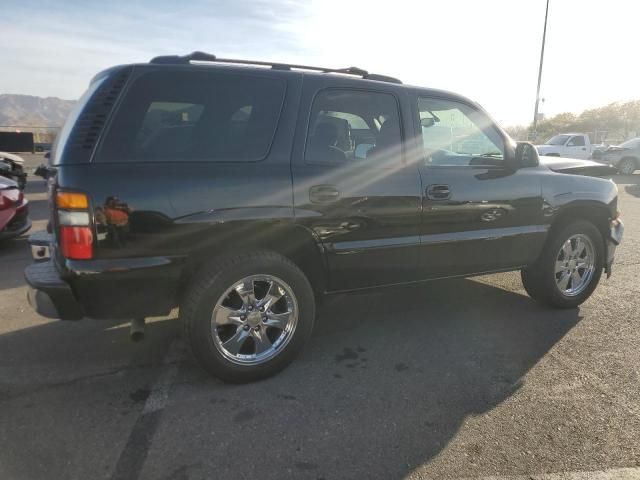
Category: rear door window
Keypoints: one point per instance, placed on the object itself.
(354, 126)
(195, 116)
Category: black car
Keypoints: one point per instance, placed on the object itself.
(242, 192)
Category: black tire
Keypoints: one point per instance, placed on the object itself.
(539, 279)
(212, 281)
(627, 166)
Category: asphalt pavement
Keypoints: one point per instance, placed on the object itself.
(463, 378)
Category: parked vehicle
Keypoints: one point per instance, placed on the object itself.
(42, 146)
(570, 145)
(231, 191)
(624, 157)
(14, 210)
(12, 167)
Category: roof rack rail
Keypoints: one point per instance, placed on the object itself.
(208, 57)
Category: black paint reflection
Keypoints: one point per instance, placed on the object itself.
(112, 220)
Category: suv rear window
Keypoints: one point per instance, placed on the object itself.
(194, 116)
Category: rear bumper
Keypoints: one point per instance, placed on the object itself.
(101, 288)
(49, 295)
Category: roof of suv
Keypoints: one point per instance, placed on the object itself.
(199, 59)
(210, 58)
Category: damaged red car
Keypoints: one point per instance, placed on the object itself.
(14, 210)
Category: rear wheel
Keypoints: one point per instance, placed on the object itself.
(246, 316)
(627, 166)
(569, 268)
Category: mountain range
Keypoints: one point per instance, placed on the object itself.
(31, 111)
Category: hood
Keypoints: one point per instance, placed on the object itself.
(575, 166)
(12, 157)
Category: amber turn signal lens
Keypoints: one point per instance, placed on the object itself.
(72, 200)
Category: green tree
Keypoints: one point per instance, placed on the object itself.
(613, 123)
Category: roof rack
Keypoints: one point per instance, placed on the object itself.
(207, 57)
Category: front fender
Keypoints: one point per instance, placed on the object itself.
(568, 197)
(561, 191)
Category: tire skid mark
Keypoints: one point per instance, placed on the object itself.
(132, 458)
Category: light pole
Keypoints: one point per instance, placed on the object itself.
(544, 36)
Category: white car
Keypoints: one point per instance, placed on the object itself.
(569, 145)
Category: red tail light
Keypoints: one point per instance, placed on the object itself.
(76, 242)
(76, 236)
(10, 197)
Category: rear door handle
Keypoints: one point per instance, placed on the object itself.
(323, 194)
(438, 192)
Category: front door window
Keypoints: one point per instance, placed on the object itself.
(454, 134)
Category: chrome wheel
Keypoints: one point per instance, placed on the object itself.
(575, 265)
(254, 319)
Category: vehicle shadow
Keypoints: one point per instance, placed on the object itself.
(384, 385)
(86, 381)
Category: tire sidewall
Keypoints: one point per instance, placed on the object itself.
(631, 163)
(547, 270)
(217, 283)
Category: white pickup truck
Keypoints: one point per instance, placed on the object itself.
(570, 145)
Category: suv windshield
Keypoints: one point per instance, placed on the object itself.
(557, 140)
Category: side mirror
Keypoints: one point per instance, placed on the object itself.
(427, 122)
(526, 155)
(361, 150)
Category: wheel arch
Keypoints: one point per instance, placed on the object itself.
(293, 241)
(597, 213)
(635, 159)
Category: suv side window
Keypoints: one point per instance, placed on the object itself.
(455, 134)
(195, 116)
(350, 126)
(577, 141)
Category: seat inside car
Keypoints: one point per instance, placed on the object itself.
(387, 140)
(322, 147)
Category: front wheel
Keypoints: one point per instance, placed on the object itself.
(569, 268)
(627, 166)
(246, 316)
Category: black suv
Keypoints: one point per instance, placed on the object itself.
(242, 191)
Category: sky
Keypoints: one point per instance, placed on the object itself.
(487, 50)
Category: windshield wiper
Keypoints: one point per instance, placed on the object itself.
(491, 154)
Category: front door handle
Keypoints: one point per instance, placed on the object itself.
(323, 194)
(438, 192)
